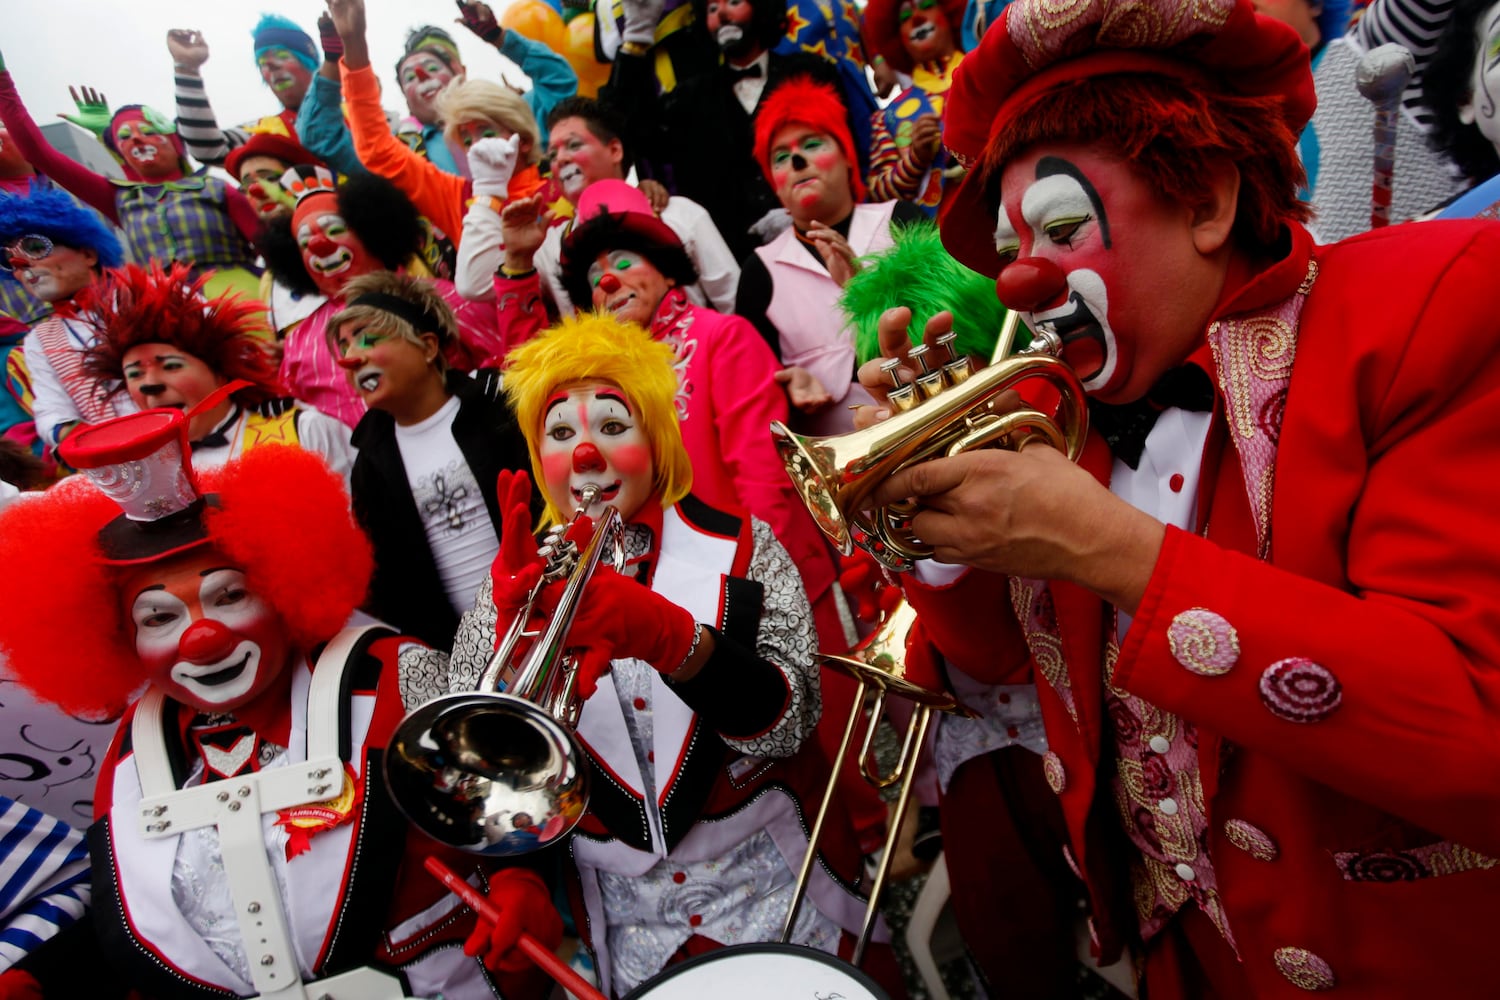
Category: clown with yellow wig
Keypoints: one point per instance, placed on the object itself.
(700, 683)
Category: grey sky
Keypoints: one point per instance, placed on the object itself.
(119, 46)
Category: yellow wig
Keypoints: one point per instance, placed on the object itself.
(592, 347)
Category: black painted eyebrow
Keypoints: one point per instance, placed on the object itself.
(215, 569)
(1050, 166)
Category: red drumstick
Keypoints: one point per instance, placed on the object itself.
(534, 949)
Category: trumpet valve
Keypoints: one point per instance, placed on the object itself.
(957, 368)
(903, 395)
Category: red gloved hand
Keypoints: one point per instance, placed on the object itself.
(329, 39)
(525, 907)
(864, 583)
(619, 618)
(517, 567)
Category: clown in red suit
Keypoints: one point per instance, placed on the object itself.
(244, 842)
(1260, 613)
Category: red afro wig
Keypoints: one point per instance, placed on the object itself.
(883, 30)
(134, 306)
(803, 101)
(283, 517)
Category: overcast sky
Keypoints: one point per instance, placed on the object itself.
(119, 46)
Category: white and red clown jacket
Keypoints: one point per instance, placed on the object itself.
(697, 783)
(349, 870)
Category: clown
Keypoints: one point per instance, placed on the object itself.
(53, 250)
(163, 345)
(588, 144)
(906, 156)
(209, 614)
(1132, 188)
(430, 448)
(698, 654)
(789, 288)
(472, 111)
(286, 58)
(334, 234)
(168, 213)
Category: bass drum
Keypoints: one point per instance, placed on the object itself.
(760, 972)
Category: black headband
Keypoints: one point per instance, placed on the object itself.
(422, 320)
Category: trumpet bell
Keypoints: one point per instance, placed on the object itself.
(491, 774)
(880, 662)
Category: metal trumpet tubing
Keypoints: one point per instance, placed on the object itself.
(502, 774)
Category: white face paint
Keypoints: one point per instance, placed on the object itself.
(590, 437)
(1480, 109)
(223, 673)
(1059, 213)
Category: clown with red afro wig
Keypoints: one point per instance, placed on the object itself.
(280, 515)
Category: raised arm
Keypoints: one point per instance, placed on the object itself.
(196, 121)
(93, 189)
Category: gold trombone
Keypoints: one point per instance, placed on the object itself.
(502, 774)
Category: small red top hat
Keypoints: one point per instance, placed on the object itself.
(141, 461)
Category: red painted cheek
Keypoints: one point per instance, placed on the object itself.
(556, 467)
(825, 162)
(631, 459)
(781, 177)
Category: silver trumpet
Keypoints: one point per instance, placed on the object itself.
(502, 774)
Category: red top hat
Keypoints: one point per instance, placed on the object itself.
(1040, 46)
(279, 147)
(141, 462)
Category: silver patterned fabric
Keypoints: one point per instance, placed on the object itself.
(741, 897)
(423, 673)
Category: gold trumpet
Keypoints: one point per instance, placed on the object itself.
(503, 774)
(878, 662)
(946, 410)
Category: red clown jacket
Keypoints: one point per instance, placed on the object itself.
(1332, 630)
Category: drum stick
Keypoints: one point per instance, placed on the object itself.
(1381, 76)
(534, 949)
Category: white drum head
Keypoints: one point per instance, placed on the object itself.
(761, 972)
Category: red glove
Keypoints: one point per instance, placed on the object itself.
(517, 567)
(525, 906)
(864, 583)
(619, 618)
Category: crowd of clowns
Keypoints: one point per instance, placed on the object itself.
(282, 438)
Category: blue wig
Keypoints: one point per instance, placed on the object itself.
(276, 32)
(52, 212)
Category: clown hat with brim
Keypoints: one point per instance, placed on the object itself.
(614, 203)
(141, 462)
(1037, 48)
(279, 147)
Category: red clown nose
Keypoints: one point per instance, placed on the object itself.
(609, 284)
(586, 458)
(206, 641)
(1032, 284)
(322, 246)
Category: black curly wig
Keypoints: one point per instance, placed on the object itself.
(605, 234)
(1448, 82)
(383, 219)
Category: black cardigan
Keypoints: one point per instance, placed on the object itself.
(406, 590)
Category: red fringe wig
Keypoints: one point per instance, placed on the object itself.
(883, 30)
(800, 100)
(283, 518)
(134, 306)
(1173, 134)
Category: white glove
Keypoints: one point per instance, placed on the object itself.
(641, 17)
(771, 225)
(491, 162)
